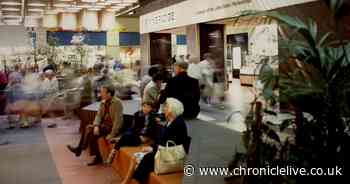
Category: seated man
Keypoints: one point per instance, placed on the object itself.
(144, 130)
(108, 122)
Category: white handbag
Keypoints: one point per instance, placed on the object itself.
(169, 159)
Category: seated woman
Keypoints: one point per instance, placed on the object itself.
(152, 90)
(144, 130)
(174, 130)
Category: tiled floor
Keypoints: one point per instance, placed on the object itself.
(73, 170)
(214, 142)
(215, 137)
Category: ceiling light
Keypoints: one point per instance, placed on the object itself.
(10, 9)
(117, 7)
(129, 1)
(69, 11)
(35, 10)
(103, 3)
(85, 6)
(119, 1)
(128, 10)
(11, 16)
(89, 1)
(61, 5)
(111, 10)
(73, 8)
(36, 4)
(10, 3)
(94, 9)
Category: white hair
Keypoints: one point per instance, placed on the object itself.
(50, 72)
(176, 107)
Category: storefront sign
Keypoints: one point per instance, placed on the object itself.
(73, 38)
(199, 11)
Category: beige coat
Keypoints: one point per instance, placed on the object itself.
(116, 112)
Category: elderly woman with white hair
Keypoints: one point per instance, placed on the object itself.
(174, 130)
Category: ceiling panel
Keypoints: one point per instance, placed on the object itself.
(29, 7)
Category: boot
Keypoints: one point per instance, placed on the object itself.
(77, 151)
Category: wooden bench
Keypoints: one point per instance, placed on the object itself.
(125, 163)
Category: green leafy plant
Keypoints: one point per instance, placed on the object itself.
(314, 79)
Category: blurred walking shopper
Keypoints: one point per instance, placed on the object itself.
(207, 71)
(183, 88)
(3, 84)
(194, 70)
(14, 94)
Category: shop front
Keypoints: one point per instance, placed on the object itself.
(238, 41)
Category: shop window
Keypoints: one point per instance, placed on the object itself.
(181, 40)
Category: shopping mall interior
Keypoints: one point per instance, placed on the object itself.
(174, 91)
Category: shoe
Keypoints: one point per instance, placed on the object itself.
(96, 161)
(52, 125)
(11, 127)
(110, 157)
(25, 125)
(76, 151)
(24, 122)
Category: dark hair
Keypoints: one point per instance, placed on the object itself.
(110, 89)
(153, 71)
(157, 77)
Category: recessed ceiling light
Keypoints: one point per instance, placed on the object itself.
(85, 6)
(94, 9)
(36, 4)
(73, 8)
(35, 10)
(103, 3)
(10, 3)
(11, 16)
(10, 9)
(61, 5)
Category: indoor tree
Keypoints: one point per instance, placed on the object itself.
(313, 79)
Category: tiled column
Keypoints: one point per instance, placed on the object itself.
(145, 50)
(193, 43)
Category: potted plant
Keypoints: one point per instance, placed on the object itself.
(313, 80)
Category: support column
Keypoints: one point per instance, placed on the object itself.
(145, 52)
(193, 42)
(145, 49)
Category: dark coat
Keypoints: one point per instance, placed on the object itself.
(186, 90)
(152, 131)
(177, 132)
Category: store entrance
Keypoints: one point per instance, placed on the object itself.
(237, 49)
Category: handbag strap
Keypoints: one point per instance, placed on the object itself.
(170, 141)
